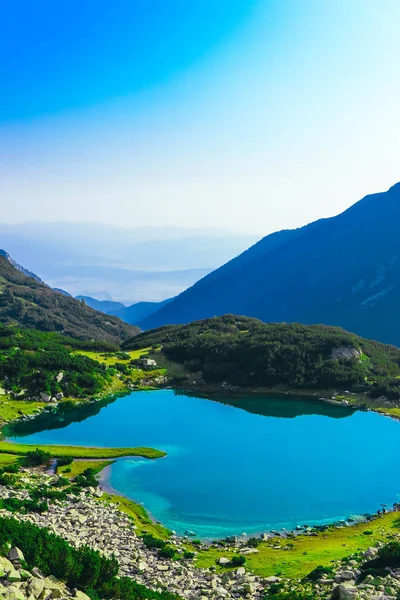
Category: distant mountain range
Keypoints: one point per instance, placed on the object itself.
(28, 302)
(130, 314)
(104, 306)
(125, 265)
(342, 271)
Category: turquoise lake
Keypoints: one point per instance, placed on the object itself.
(277, 464)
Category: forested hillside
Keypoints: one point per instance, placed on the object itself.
(342, 271)
(247, 352)
(33, 362)
(32, 304)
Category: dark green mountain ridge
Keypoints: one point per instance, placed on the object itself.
(342, 271)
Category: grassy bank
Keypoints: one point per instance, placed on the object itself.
(142, 520)
(299, 556)
(79, 466)
(80, 451)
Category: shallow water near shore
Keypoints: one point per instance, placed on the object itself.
(228, 470)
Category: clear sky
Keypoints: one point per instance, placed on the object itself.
(253, 115)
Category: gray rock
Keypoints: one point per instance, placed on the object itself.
(36, 586)
(16, 554)
(14, 593)
(345, 592)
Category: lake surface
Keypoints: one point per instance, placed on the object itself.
(228, 471)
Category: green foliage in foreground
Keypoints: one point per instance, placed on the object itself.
(248, 352)
(80, 567)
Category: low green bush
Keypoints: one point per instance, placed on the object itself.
(86, 479)
(7, 479)
(150, 541)
(10, 469)
(37, 457)
(253, 542)
(318, 572)
(63, 461)
(237, 561)
(15, 505)
(167, 552)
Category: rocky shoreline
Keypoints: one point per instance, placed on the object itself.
(87, 520)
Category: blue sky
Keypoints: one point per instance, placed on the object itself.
(253, 115)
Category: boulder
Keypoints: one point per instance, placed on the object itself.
(272, 579)
(81, 596)
(345, 592)
(16, 554)
(25, 575)
(5, 565)
(370, 553)
(14, 576)
(13, 593)
(36, 587)
(45, 397)
(223, 561)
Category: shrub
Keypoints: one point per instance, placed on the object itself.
(237, 561)
(63, 461)
(253, 542)
(23, 506)
(6, 479)
(188, 555)
(318, 572)
(152, 542)
(167, 552)
(10, 469)
(86, 479)
(61, 482)
(37, 457)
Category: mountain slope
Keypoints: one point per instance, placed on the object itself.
(19, 268)
(341, 271)
(247, 352)
(29, 303)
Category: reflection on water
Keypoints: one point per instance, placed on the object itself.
(282, 408)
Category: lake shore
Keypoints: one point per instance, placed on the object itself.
(105, 485)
